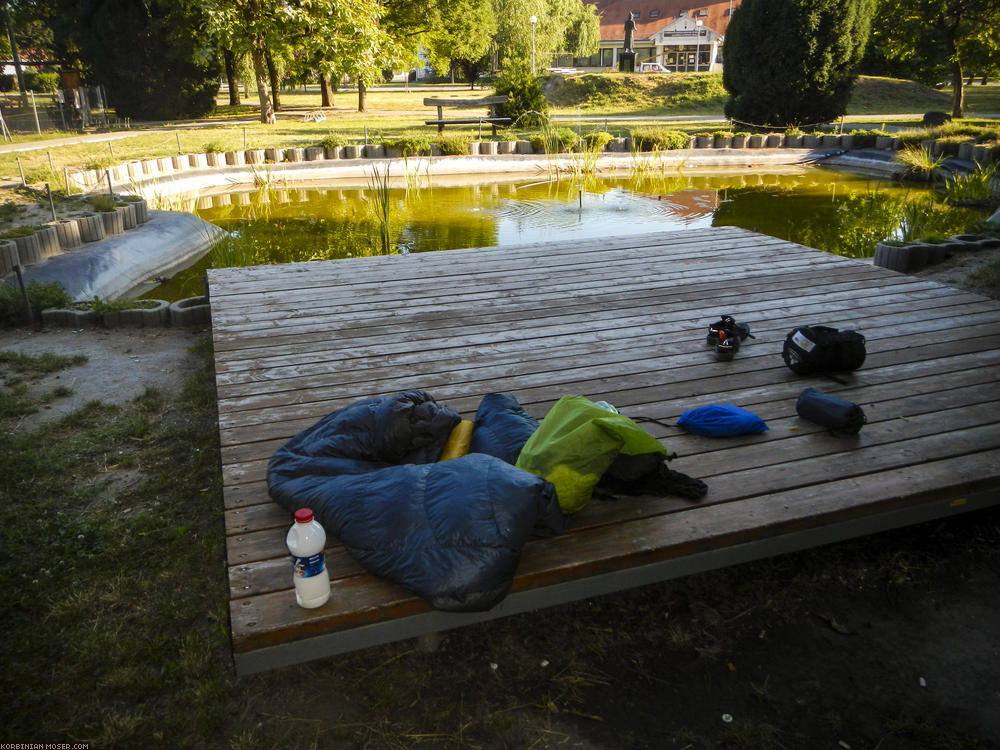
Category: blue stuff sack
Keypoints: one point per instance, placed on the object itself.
(721, 420)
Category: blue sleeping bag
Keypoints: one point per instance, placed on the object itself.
(452, 532)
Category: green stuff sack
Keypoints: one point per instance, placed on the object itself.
(576, 443)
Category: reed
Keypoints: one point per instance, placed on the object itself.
(379, 203)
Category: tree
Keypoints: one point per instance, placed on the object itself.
(149, 55)
(794, 62)
(941, 38)
(340, 37)
(569, 26)
(463, 38)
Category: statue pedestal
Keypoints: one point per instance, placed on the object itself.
(626, 62)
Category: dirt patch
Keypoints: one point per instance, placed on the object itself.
(959, 271)
(121, 364)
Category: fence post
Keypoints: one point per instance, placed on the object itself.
(60, 103)
(35, 110)
(52, 203)
(21, 170)
(66, 177)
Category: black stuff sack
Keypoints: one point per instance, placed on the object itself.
(822, 349)
(840, 416)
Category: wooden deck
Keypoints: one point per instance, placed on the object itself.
(623, 320)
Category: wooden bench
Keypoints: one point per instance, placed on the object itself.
(487, 101)
(294, 342)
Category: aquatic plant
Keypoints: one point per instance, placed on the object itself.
(919, 162)
(380, 205)
(979, 186)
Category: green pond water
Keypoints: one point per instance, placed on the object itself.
(833, 211)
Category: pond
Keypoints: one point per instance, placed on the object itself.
(833, 211)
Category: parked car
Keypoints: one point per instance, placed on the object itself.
(652, 67)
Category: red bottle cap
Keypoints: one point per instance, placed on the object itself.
(303, 515)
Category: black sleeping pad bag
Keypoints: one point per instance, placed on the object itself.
(451, 532)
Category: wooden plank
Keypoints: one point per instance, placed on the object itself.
(478, 362)
(278, 414)
(484, 101)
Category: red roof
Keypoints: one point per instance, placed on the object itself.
(653, 15)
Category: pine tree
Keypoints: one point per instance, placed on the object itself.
(793, 62)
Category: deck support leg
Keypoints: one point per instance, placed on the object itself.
(429, 643)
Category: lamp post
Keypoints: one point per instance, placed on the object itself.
(533, 20)
(697, 54)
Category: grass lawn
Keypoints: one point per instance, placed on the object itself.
(394, 112)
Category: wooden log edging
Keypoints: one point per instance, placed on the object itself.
(141, 171)
(917, 255)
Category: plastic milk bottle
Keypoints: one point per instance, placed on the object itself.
(306, 541)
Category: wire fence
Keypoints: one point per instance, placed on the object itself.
(32, 112)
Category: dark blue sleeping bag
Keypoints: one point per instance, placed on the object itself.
(452, 532)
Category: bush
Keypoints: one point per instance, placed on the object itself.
(214, 147)
(101, 162)
(17, 232)
(949, 145)
(103, 203)
(333, 141)
(654, 138)
(40, 296)
(42, 82)
(866, 138)
(410, 146)
(6, 84)
(598, 140)
(526, 104)
(566, 139)
(454, 144)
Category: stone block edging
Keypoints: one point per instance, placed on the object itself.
(192, 311)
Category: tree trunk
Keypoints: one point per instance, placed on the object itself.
(326, 90)
(17, 57)
(234, 83)
(958, 100)
(362, 91)
(272, 75)
(260, 73)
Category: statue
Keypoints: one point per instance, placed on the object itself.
(629, 32)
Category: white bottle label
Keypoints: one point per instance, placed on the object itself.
(800, 340)
(307, 567)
